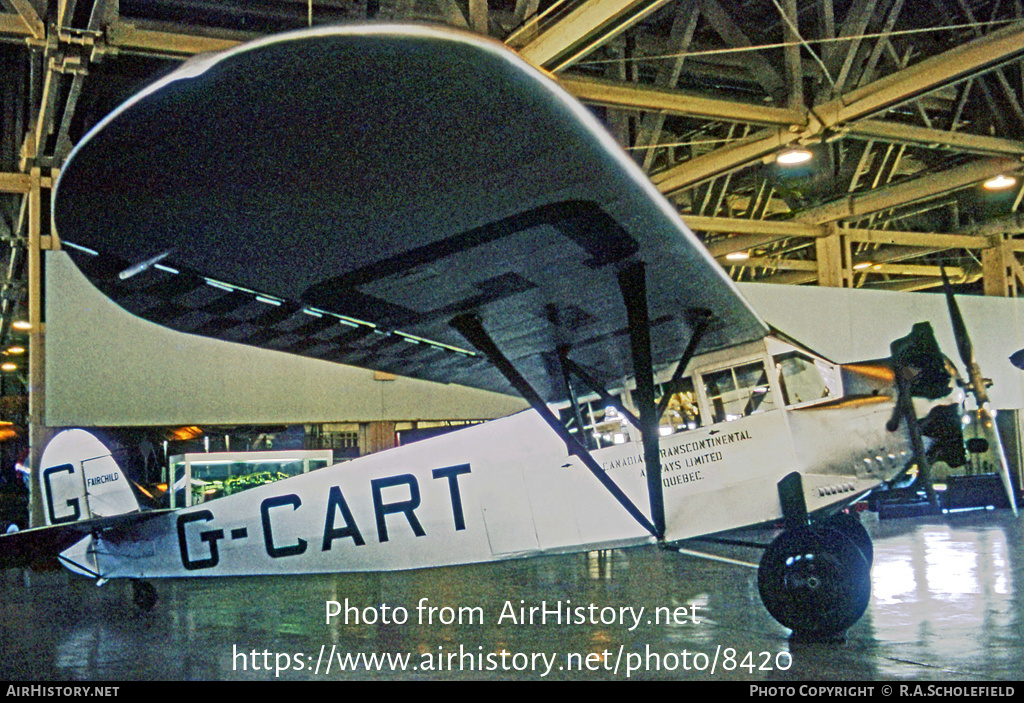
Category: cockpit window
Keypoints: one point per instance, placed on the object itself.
(738, 392)
(800, 378)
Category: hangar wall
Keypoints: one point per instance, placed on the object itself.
(105, 367)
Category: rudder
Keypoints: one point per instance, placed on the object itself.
(80, 480)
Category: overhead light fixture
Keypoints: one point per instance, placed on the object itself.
(21, 325)
(792, 157)
(15, 350)
(862, 265)
(8, 366)
(738, 255)
(1000, 182)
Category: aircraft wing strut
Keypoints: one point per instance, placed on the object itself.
(471, 327)
(632, 281)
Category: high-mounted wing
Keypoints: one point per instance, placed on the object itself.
(345, 192)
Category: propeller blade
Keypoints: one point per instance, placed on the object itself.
(1017, 359)
(963, 340)
(985, 415)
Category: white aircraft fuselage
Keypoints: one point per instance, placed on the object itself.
(509, 488)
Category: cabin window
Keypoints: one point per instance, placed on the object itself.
(800, 378)
(682, 412)
(738, 392)
(603, 426)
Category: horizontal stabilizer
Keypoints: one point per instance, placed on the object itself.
(40, 546)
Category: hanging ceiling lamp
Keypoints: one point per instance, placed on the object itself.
(792, 157)
(1000, 182)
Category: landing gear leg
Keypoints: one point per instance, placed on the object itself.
(143, 595)
(815, 581)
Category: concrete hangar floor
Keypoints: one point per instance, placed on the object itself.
(947, 605)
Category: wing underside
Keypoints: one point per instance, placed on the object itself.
(344, 193)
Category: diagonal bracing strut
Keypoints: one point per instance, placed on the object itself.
(472, 329)
(632, 282)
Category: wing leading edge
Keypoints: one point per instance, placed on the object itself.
(345, 192)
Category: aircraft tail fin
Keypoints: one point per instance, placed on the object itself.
(81, 480)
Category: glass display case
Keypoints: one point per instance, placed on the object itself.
(209, 475)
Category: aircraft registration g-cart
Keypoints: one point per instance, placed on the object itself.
(421, 201)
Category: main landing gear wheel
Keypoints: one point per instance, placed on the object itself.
(143, 595)
(815, 581)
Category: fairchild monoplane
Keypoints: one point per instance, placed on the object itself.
(421, 201)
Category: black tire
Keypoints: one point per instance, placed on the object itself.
(815, 581)
(143, 595)
(854, 531)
